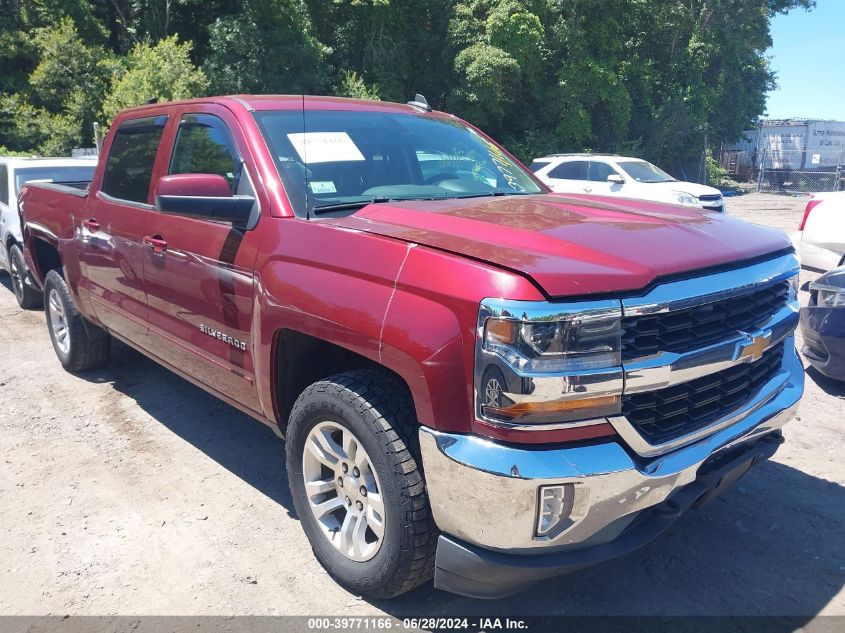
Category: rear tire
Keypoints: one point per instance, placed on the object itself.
(29, 298)
(362, 419)
(79, 344)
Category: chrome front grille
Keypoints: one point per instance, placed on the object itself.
(666, 414)
(687, 347)
(699, 326)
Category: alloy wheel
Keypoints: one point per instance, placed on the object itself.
(343, 491)
(58, 321)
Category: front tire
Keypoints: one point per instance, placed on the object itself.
(355, 478)
(26, 294)
(79, 344)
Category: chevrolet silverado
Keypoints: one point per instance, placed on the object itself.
(477, 380)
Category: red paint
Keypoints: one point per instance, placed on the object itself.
(207, 185)
(397, 283)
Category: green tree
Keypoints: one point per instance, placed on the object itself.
(267, 47)
(164, 72)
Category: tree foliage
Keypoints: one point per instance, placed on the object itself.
(659, 78)
(163, 72)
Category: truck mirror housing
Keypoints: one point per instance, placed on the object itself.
(204, 197)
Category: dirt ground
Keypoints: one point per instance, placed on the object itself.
(130, 491)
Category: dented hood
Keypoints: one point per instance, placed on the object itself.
(569, 244)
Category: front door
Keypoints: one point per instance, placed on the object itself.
(118, 217)
(598, 173)
(199, 276)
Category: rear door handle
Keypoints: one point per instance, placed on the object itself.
(588, 189)
(92, 225)
(155, 242)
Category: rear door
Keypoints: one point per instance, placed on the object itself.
(569, 177)
(199, 280)
(117, 218)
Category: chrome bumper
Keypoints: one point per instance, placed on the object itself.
(486, 493)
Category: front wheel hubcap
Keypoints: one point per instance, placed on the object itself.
(346, 503)
(58, 321)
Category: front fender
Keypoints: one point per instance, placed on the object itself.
(408, 308)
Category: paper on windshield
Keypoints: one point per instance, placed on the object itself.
(324, 147)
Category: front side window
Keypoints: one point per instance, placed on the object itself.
(599, 171)
(129, 168)
(204, 145)
(537, 165)
(570, 170)
(641, 171)
(343, 157)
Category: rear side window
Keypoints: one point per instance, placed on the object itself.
(129, 168)
(537, 165)
(4, 184)
(571, 170)
(204, 145)
(599, 171)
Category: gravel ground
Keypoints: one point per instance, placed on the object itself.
(129, 491)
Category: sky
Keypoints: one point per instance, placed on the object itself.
(807, 54)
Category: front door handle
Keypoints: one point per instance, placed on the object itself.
(92, 225)
(155, 242)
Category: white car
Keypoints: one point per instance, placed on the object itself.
(612, 175)
(14, 172)
(820, 240)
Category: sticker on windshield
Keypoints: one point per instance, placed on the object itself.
(325, 147)
(322, 186)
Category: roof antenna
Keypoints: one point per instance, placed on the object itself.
(304, 137)
(420, 103)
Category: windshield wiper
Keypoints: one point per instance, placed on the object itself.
(357, 204)
(345, 206)
(490, 194)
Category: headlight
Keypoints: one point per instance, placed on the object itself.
(686, 199)
(828, 296)
(540, 363)
(577, 342)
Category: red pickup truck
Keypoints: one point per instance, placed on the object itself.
(477, 380)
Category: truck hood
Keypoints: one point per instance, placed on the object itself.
(570, 244)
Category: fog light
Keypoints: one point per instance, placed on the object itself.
(554, 508)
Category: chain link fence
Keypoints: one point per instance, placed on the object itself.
(786, 170)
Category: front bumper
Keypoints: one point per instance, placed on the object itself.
(823, 330)
(484, 496)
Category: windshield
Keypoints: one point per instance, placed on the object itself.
(641, 171)
(77, 173)
(348, 157)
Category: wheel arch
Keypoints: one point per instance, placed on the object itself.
(300, 359)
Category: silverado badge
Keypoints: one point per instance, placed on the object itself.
(222, 336)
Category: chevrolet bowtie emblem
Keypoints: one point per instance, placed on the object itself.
(753, 350)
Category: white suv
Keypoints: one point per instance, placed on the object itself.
(612, 175)
(14, 172)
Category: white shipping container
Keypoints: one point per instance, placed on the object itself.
(825, 143)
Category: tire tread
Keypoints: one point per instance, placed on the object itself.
(385, 403)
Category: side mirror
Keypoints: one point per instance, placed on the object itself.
(615, 179)
(204, 197)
